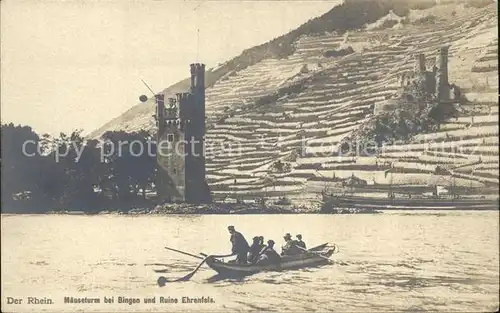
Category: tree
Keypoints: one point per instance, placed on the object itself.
(280, 167)
(131, 162)
(64, 172)
(72, 172)
(20, 162)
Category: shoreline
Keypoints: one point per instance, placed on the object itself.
(253, 212)
(254, 209)
(332, 206)
(208, 209)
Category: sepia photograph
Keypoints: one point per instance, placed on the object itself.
(249, 156)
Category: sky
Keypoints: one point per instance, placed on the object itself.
(77, 64)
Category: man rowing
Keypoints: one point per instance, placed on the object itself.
(261, 243)
(269, 255)
(299, 241)
(290, 247)
(255, 249)
(239, 245)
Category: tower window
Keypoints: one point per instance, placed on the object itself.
(170, 137)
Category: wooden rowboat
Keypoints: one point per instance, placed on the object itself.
(313, 257)
(287, 263)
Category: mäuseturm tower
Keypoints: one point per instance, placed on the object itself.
(180, 143)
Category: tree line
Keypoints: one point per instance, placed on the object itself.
(43, 173)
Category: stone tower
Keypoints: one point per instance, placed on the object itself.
(180, 143)
(442, 85)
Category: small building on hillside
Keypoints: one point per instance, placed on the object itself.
(353, 181)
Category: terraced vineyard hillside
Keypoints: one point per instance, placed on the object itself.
(274, 127)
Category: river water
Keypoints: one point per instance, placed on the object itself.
(396, 261)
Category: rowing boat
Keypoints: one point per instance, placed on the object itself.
(313, 257)
(287, 263)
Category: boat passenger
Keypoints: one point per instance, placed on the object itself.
(269, 255)
(299, 242)
(261, 242)
(255, 249)
(290, 247)
(239, 245)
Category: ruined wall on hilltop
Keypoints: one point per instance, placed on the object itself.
(421, 80)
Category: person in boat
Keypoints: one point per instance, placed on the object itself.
(290, 247)
(269, 255)
(239, 245)
(261, 243)
(255, 249)
(299, 242)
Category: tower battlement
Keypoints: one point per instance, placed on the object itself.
(182, 96)
(184, 101)
(197, 76)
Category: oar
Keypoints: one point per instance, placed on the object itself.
(186, 253)
(218, 256)
(188, 276)
(166, 270)
(162, 280)
(321, 256)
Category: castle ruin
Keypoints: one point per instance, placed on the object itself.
(433, 82)
(180, 143)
